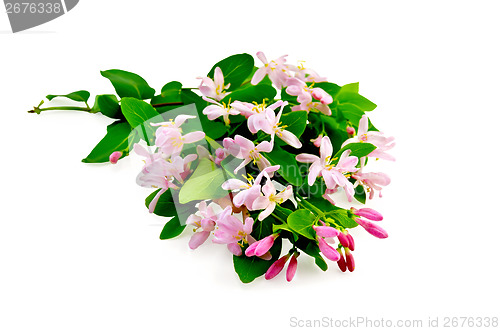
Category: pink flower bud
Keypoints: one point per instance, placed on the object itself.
(317, 141)
(372, 228)
(261, 247)
(351, 242)
(219, 152)
(326, 231)
(292, 267)
(328, 251)
(344, 241)
(368, 213)
(115, 156)
(351, 131)
(341, 262)
(322, 96)
(276, 267)
(349, 260)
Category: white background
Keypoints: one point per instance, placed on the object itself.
(79, 251)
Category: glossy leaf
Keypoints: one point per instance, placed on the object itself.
(128, 84)
(116, 139)
(295, 122)
(235, 69)
(205, 183)
(82, 96)
(107, 104)
(357, 149)
(252, 93)
(289, 168)
(137, 112)
(301, 221)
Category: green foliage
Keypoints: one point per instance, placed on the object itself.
(357, 149)
(251, 93)
(289, 168)
(107, 104)
(137, 112)
(301, 221)
(205, 183)
(82, 96)
(170, 94)
(295, 122)
(235, 69)
(116, 139)
(128, 84)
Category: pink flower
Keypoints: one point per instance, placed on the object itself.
(242, 148)
(317, 142)
(292, 267)
(206, 223)
(276, 70)
(276, 267)
(232, 231)
(332, 174)
(382, 143)
(273, 127)
(169, 138)
(372, 228)
(214, 88)
(217, 110)
(262, 246)
(328, 251)
(349, 259)
(150, 157)
(350, 131)
(161, 174)
(313, 106)
(372, 181)
(115, 156)
(306, 74)
(341, 262)
(369, 213)
(268, 201)
(248, 191)
(305, 94)
(326, 231)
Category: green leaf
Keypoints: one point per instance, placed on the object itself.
(249, 268)
(170, 93)
(251, 93)
(82, 96)
(301, 221)
(205, 183)
(107, 104)
(166, 207)
(295, 122)
(235, 69)
(128, 84)
(357, 149)
(342, 217)
(289, 168)
(116, 139)
(212, 129)
(285, 227)
(137, 112)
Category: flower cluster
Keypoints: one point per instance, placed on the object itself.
(272, 147)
